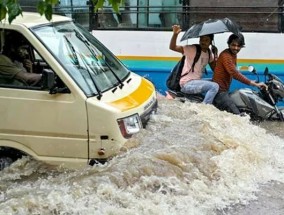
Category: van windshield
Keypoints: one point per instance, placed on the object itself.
(92, 66)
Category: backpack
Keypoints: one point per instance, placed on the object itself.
(175, 75)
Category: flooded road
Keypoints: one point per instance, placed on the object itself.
(270, 199)
(191, 159)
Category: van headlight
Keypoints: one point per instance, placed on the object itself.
(129, 125)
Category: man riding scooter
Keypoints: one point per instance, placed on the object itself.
(225, 70)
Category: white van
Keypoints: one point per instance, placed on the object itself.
(86, 105)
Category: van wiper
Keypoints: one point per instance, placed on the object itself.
(117, 78)
(72, 49)
(78, 65)
(93, 80)
(82, 38)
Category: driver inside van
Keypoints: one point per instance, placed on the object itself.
(15, 67)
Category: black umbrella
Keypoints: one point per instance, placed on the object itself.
(211, 26)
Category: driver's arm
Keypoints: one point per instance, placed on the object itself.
(30, 78)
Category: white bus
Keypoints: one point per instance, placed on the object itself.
(140, 34)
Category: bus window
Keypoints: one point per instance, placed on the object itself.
(170, 12)
(251, 15)
(154, 11)
(107, 18)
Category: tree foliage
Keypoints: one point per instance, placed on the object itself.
(13, 9)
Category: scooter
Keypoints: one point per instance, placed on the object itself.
(259, 105)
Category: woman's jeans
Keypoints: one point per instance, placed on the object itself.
(209, 88)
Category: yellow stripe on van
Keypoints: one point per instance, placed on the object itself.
(136, 98)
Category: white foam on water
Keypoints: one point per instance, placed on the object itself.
(191, 159)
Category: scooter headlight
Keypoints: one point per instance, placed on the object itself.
(129, 125)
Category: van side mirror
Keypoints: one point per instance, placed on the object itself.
(48, 79)
(50, 82)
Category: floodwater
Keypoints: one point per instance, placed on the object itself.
(192, 159)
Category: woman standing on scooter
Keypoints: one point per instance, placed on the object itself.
(225, 70)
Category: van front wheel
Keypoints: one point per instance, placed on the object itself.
(5, 162)
(8, 156)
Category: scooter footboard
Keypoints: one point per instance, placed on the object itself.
(175, 94)
(183, 97)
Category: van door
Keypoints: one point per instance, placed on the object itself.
(44, 125)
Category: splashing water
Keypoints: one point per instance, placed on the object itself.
(191, 159)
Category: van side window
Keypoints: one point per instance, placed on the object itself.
(21, 66)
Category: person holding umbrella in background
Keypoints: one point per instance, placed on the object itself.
(191, 82)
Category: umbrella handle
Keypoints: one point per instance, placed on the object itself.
(215, 49)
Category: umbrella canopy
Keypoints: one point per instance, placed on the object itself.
(211, 26)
